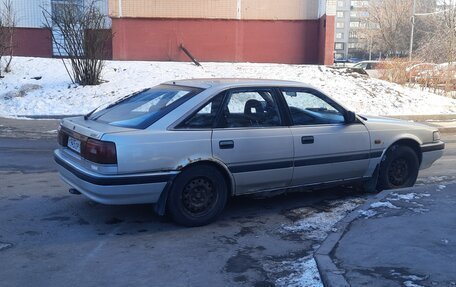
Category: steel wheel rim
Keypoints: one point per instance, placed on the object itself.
(199, 196)
(398, 172)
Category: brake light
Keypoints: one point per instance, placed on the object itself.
(62, 138)
(100, 151)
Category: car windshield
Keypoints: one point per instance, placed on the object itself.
(142, 109)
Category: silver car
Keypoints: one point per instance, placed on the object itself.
(189, 145)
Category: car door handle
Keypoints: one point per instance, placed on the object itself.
(307, 140)
(226, 144)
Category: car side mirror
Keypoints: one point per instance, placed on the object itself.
(350, 117)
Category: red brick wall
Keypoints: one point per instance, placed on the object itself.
(32, 42)
(326, 40)
(294, 42)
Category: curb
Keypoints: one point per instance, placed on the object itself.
(330, 274)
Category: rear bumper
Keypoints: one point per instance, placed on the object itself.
(431, 153)
(113, 189)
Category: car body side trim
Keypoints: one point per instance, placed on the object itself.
(107, 180)
(260, 166)
(336, 159)
(433, 147)
(303, 162)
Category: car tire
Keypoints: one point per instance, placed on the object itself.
(198, 196)
(399, 168)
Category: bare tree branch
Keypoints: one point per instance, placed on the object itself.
(8, 24)
(83, 28)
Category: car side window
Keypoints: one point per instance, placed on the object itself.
(205, 117)
(253, 108)
(309, 109)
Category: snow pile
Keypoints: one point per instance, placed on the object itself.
(39, 86)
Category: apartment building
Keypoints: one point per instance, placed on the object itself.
(350, 18)
(286, 31)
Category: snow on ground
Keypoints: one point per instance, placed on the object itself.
(53, 93)
(381, 204)
(305, 274)
(316, 224)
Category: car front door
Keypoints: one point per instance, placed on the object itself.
(252, 141)
(326, 148)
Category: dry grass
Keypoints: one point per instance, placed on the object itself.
(438, 79)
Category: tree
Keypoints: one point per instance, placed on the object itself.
(83, 28)
(7, 27)
(388, 25)
(439, 44)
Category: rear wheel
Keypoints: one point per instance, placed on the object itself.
(198, 196)
(399, 168)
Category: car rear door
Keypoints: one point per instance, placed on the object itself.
(326, 149)
(252, 141)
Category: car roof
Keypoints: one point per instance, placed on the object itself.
(235, 82)
(362, 62)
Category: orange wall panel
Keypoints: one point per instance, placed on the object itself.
(217, 9)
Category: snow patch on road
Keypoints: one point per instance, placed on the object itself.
(441, 187)
(368, 213)
(411, 284)
(305, 274)
(386, 204)
(406, 197)
(316, 224)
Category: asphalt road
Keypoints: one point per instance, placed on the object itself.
(51, 238)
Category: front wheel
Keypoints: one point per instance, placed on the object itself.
(399, 168)
(198, 196)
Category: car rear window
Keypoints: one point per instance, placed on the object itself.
(142, 109)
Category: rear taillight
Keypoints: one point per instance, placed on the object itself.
(62, 138)
(99, 151)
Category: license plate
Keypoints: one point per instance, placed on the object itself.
(74, 144)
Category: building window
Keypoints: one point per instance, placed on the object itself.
(353, 35)
(360, 3)
(340, 3)
(354, 24)
(339, 35)
(353, 14)
(339, 46)
(340, 25)
(340, 14)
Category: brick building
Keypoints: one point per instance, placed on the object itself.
(287, 31)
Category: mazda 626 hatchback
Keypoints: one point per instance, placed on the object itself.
(189, 145)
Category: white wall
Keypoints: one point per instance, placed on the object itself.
(29, 12)
(327, 7)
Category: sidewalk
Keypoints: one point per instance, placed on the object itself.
(19, 128)
(401, 237)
